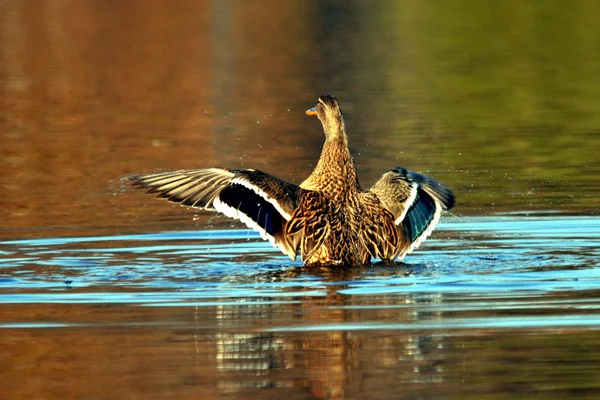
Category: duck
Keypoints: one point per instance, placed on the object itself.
(328, 219)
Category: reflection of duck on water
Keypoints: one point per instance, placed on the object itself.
(328, 217)
(329, 345)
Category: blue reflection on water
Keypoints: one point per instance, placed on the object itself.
(471, 264)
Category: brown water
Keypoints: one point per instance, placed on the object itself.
(108, 293)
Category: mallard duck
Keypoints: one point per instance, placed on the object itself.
(328, 218)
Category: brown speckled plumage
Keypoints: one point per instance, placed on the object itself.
(328, 218)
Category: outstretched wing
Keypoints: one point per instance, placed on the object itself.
(261, 201)
(416, 201)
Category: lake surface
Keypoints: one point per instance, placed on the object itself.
(108, 293)
(495, 306)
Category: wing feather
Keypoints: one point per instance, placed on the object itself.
(261, 201)
(308, 228)
(416, 201)
(378, 232)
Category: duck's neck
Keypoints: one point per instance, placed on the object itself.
(335, 173)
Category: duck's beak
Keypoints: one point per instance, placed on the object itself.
(312, 111)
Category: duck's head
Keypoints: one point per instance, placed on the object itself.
(329, 113)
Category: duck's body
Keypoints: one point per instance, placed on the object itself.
(328, 218)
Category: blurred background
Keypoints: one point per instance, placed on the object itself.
(498, 100)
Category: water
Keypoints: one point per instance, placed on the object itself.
(108, 293)
(495, 305)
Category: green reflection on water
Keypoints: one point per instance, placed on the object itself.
(499, 99)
